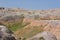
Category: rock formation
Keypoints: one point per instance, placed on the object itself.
(6, 34)
(26, 23)
(43, 36)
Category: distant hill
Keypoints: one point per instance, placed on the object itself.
(53, 14)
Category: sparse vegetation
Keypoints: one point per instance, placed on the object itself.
(15, 26)
(36, 17)
(29, 31)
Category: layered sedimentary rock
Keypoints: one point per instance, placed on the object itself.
(31, 21)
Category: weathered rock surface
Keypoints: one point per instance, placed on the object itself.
(6, 34)
(43, 36)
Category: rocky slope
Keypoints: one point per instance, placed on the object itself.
(43, 36)
(27, 23)
(6, 34)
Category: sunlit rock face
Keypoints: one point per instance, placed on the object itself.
(6, 34)
(43, 36)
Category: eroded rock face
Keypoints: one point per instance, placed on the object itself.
(43, 36)
(6, 34)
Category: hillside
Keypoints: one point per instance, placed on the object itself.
(27, 23)
(53, 14)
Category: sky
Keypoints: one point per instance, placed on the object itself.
(31, 4)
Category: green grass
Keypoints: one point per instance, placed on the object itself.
(15, 26)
